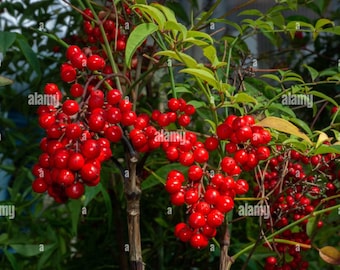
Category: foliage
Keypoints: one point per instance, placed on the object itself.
(228, 81)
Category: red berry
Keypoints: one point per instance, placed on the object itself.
(201, 155)
(95, 62)
(113, 133)
(75, 191)
(39, 185)
(76, 161)
(211, 143)
(70, 107)
(196, 220)
(215, 218)
(224, 204)
(76, 90)
(199, 241)
(90, 149)
(173, 104)
(68, 73)
(195, 173)
(228, 165)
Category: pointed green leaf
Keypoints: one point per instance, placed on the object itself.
(310, 227)
(136, 38)
(153, 13)
(169, 14)
(5, 81)
(198, 34)
(272, 77)
(181, 57)
(175, 28)
(29, 54)
(203, 75)
(244, 98)
(6, 40)
(29, 250)
(322, 22)
(210, 53)
(325, 97)
(325, 149)
(334, 30)
(312, 71)
(251, 12)
(75, 210)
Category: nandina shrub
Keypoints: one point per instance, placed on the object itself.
(217, 146)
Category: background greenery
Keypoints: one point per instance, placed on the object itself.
(45, 235)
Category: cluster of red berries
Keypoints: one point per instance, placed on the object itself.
(210, 196)
(246, 142)
(297, 184)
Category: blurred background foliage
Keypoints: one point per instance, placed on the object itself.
(45, 235)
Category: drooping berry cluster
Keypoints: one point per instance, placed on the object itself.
(297, 184)
(209, 195)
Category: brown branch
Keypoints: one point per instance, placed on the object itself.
(133, 195)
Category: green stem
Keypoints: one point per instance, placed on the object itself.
(108, 50)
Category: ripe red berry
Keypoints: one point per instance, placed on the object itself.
(90, 149)
(211, 143)
(76, 161)
(224, 204)
(68, 73)
(95, 62)
(195, 173)
(76, 90)
(199, 241)
(39, 185)
(173, 104)
(201, 155)
(70, 107)
(113, 133)
(196, 220)
(228, 165)
(215, 218)
(75, 191)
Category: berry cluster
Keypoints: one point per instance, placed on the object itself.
(79, 130)
(210, 196)
(297, 184)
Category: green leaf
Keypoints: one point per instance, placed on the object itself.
(159, 176)
(29, 250)
(198, 34)
(210, 53)
(203, 75)
(197, 42)
(3, 238)
(175, 28)
(334, 30)
(91, 193)
(325, 149)
(283, 126)
(169, 14)
(312, 71)
(197, 104)
(251, 12)
(11, 258)
(322, 22)
(5, 81)
(301, 124)
(325, 97)
(29, 54)
(153, 13)
(311, 225)
(271, 76)
(108, 204)
(75, 210)
(45, 257)
(278, 106)
(181, 57)
(6, 40)
(136, 38)
(244, 98)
